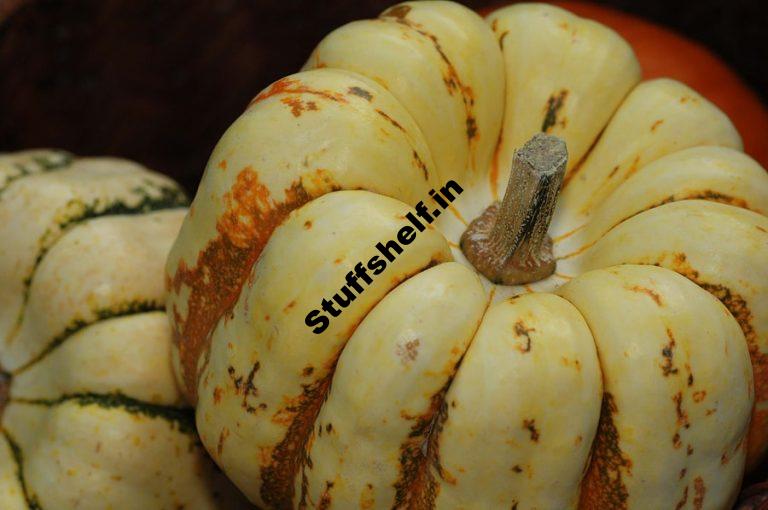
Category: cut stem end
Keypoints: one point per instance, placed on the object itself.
(508, 242)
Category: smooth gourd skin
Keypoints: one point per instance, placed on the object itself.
(93, 417)
(627, 379)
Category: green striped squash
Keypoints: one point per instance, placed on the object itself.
(90, 411)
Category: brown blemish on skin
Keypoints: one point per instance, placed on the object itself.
(552, 108)
(217, 391)
(656, 125)
(603, 485)
(222, 437)
(626, 175)
(325, 498)
(224, 264)
(471, 128)
(517, 469)
(287, 458)
(367, 500)
(250, 390)
(308, 370)
(668, 352)
(408, 352)
(416, 486)
(682, 473)
(699, 396)
(682, 415)
(223, 164)
(761, 229)
(420, 163)
(699, 490)
(689, 450)
(5, 390)
(288, 307)
(360, 92)
(236, 380)
(451, 77)
(739, 309)
(575, 363)
(650, 292)
(298, 106)
(307, 224)
(503, 35)
(530, 426)
(522, 332)
(390, 120)
(715, 196)
(684, 499)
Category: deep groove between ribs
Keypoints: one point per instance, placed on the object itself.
(290, 456)
(420, 491)
(123, 309)
(18, 459)
(182, 418)
(171, 197)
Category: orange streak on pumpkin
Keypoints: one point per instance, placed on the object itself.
(603, 485)
(215, 281)
(568, 234)
(739, 309)
(294, 86)
(458, 215)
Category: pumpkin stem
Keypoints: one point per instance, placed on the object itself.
(508, 242)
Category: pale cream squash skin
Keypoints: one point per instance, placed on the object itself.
(567, 76)
(678, 387)
(287, 365)
(525, 403)
(94, 417)
(442, 64)
(556, 401)
(53, 200)
(402, 356)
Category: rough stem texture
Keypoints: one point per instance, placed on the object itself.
(508, 243)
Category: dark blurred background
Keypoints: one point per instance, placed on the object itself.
(159, 81)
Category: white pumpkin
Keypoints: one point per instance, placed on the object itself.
(606, 383)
